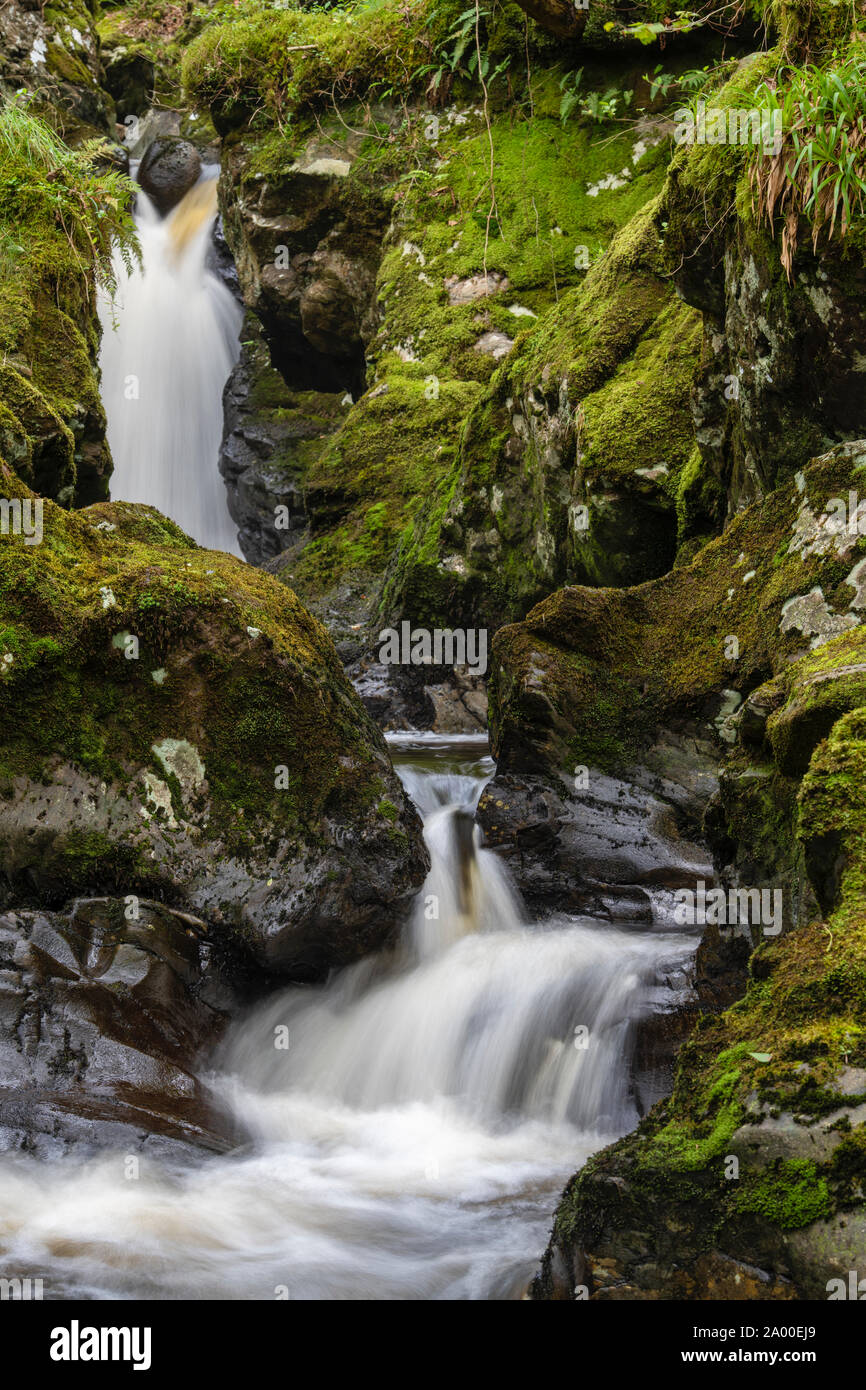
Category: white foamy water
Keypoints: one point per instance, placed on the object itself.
(411, 1140)
(169, 342)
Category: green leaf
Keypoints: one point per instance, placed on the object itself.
(761, 1056)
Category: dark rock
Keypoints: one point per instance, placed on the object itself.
(307, 255)
(222, 262)
(169, 168)
(104, 1013)
(798, 387)
(271, 435)
(129, 77)
(446, 700)
(583, 848)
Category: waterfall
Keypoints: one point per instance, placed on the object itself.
(410, 1134)
(169, 342)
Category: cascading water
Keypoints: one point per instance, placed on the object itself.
(169, 342)
(411, 1139)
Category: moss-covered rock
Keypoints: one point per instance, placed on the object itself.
(781, 370)
(424, 316)
(59, 221)
(182, 728)
(53, 50)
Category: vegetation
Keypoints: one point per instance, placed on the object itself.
(819, 172)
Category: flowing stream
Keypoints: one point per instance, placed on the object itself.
(411, 1140)
(169, 342)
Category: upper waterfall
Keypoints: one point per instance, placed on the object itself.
(169, 341)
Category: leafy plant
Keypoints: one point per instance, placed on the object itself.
(458, 56)
(819, 173)
(56, 207)
(647, 32)
(595, 106)
(662, 83)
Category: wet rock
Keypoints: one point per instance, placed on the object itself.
(307, 255)
(105, 1012)
(271, 435)
(446, 700)
(580, 848)
(169, 167)
(222, 263)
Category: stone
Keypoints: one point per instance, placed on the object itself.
(169, 168)
(104, 1011)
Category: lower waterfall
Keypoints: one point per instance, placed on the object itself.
(410, 1140)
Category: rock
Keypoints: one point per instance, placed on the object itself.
(271, 434)
(54, 51)
(104, 1011)
(129, 77)
(169, 167)
(474, 287)
(155, 124)
(797, 367)
(445, 700)
(498, 345)
(307, 254)
(546, 473)
(227, 767)
(585, 849)
(660, 1214)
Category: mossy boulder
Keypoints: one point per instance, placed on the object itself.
(570, 462)
(178, 726)
(61, 221)
(53, 50)
(781, 374)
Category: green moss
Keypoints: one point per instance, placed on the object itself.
(790, 1195)
(274, 696)
(289, 62)
(58, 223)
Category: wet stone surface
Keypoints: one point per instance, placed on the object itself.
(102, 1022)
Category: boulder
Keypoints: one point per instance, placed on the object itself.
(169, 168)
(183, 729)
(104, 1012)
